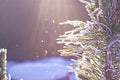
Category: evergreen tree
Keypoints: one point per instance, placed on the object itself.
(95, 43)
(3, 63)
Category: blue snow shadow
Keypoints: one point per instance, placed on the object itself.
(53, 68)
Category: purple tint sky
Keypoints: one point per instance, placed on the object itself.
(29, 28)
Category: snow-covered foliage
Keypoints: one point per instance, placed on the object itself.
(95, 43)
(3, 61)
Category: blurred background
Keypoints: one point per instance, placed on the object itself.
(29, 28)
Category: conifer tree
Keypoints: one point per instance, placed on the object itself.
(95, 43)
(3, 53)
(3, 63)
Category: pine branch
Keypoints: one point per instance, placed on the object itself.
(95, 43)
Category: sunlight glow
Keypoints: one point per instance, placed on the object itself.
(49, 14)
(48, 17)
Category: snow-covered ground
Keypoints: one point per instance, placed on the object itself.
(53, 68)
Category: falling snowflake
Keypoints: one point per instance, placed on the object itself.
(53, 21)
(38, 56)
(42, 41)
(46, 51)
